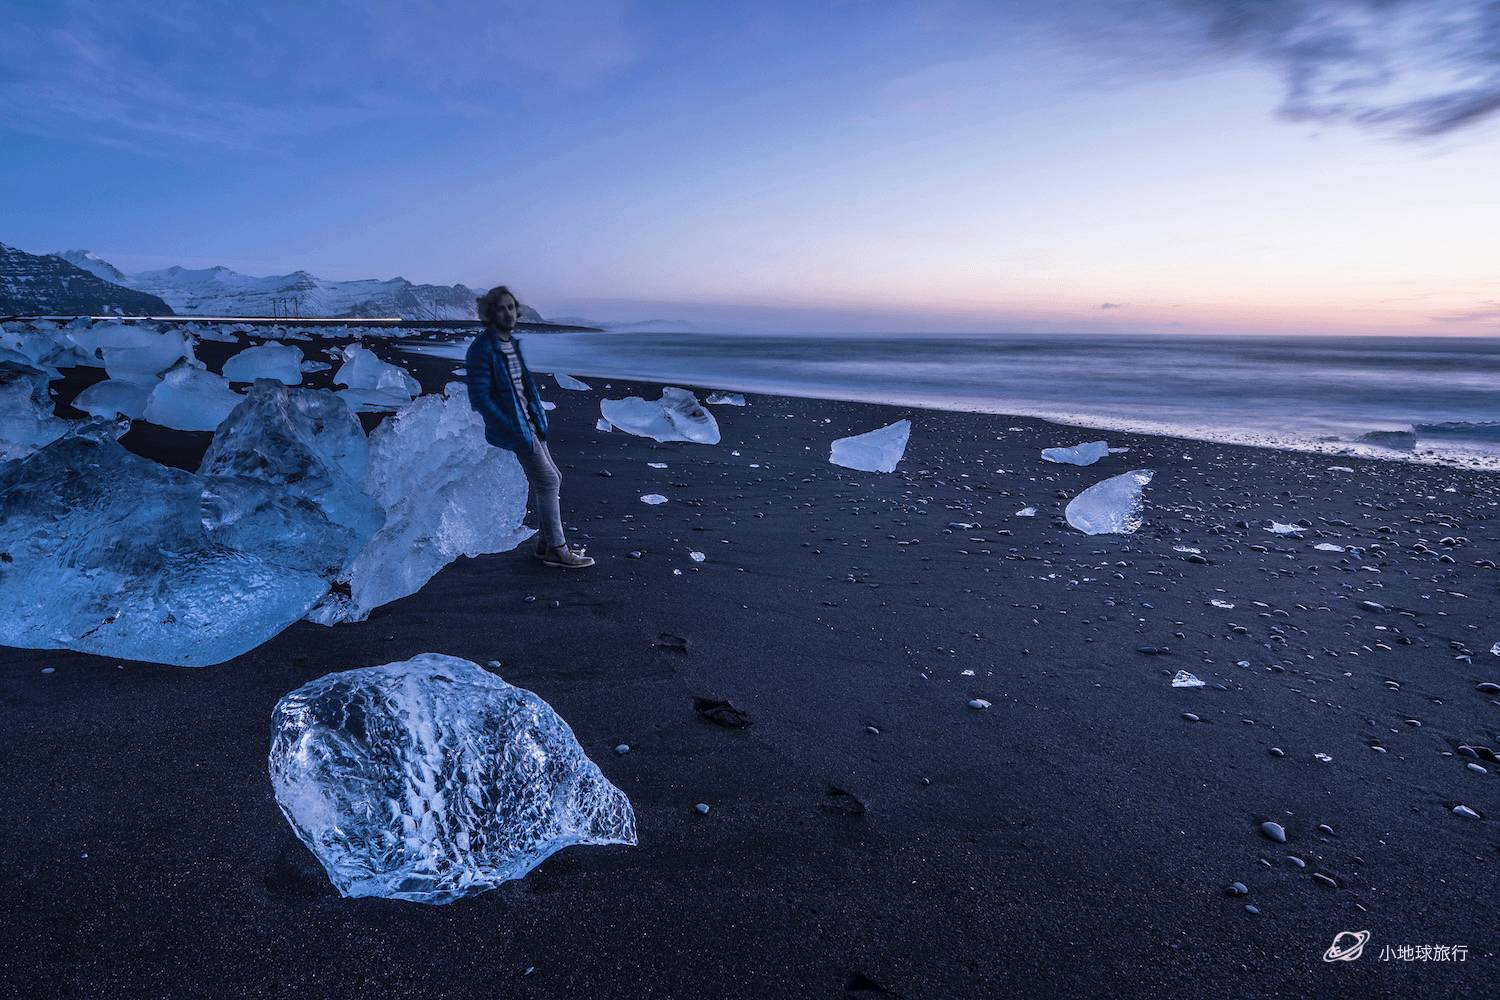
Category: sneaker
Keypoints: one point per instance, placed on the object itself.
(561, 555)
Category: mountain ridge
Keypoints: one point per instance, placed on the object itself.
(51, 285)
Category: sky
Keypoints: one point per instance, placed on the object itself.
(1244, 166)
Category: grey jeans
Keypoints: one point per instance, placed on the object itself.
(546, 487)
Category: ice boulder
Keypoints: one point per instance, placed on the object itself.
(106, 552)
(1080, 454)
(47, 350)
(1111, 507)
(445, 493)
(188, 398)
(282, 362)
(725, 399)
(373, 384)
(874, 451)
(431, 779)
(283, 478)
(131, 353)
(26, 419)
(569, 382)
(114, 397)
(677, 416)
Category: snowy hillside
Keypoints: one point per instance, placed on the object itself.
(37, 285)
(218, 291)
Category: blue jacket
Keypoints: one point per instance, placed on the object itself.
(493, 395)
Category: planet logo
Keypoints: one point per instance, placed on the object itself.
(1347, 946)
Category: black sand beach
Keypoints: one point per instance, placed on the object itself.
(870, 834)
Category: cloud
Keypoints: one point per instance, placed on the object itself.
(1111, 305)
(1488, 312)
(250, 76)
(1414, 67)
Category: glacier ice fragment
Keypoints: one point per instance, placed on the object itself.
(431, 779)
(26, 418)
(569, 382)
(282, 362)
(373, 384)
(873, 451)
(1110, 507)
(445, 492)
(718, 398)
(1183, 679)
(677, 416)
(1080, 454)
(188, 398)
(114, 397)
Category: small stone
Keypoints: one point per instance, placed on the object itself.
(622, 749)
(1295, 861)
(1325, 829)
(1190, 717)
(978, 703)
(49, 670)
(1251, 908)
(633, 554)
(1325, 880)
(1275, 831)
(1465, 812)
(1488, 687)
(701, 809)
(1237, 889)
(1277, 752)
(872, 730)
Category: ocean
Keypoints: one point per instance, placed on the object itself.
(1309, 393)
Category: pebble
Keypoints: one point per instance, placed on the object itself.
(1295, 861)
(1465, 812)
(1237, 889)
(1324, 828)
(48, 670)
(979, 703)
(701, 809)
(1277, 752)
(633, 554)
(1190, 717)
(872, 730)
(1275, 831)
(622, 749)
(1325, 880)
(1251, 908)
(1488, 687)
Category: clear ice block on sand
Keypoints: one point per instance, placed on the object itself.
(677, 416)
(1080, 454)
(1111, 507)
(26, 418)
(282, 362)
(874, 451)
(188, 398)
(431, 779)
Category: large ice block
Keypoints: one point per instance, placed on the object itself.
(188, 398)
(431, 779)
(106, 552)
(282, 362)
(115, 397)
(373, 384)
(1111, 507)
(445, 493)
(874, 451)
(26, 419)
(677, 416)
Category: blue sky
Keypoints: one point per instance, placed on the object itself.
(1201, 165)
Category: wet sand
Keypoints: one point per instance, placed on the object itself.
(870, 834)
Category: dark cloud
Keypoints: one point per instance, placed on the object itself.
(1414, 67)
(1111, 305)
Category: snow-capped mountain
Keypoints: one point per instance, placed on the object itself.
(38, 285)
(218, 291)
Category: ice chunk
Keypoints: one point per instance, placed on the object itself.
(653, 499)
(132, 353)
(677, 416)
(1277, 528)
(373, 384)
(1080, 454)
(1223, 605)
(284, 479)
(26, 420)
(1111, 507)
(1328, 547)
(114, 397)
(1026, 512)
(282, 362)
(189, 398)
(106, 553)
(603, 425)
(547, 405)
(874, 451)
(431, 779)
(569, 382)
(445, 492)
(725, 399)
(1183, 679)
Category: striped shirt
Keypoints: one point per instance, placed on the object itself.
(513, 365)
